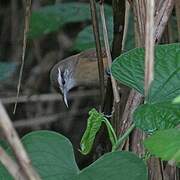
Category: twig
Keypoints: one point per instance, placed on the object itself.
(161, 18)
(119, 9)
(36, 121)
(126, 23)
(109, 59)
(177, 5)
(98, 49)
(27, 15)
(149, 46)
(47, 97)
(121, 139)
(16, 145)
(11, 166)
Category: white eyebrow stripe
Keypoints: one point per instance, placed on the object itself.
(59, 77)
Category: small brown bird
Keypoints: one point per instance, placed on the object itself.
(77, 70)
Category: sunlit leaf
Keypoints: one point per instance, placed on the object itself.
(165, 144)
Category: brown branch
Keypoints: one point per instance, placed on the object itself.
(98, 49)
(161, 18)
(16, 145)
(118, 26)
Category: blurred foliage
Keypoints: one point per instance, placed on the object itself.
(6, 70)
(85, 38)
(50, 18)
(53, 17)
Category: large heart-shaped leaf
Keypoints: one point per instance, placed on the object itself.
(115, 166)
(151, 117)
(165, 144)
(50, 18)
(52, 156)
(129, 69)
(158, 112)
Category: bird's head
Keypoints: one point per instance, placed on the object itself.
(62, 79)
(66, 82)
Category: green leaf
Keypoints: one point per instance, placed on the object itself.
(85, 39)
(111, 132)
(159, 112)
(52, 156)
(115, 166)
(4, 144)
(50, 18)
(176, 100)
(93, 125)
(151, 117)
(6, 70)
(165, 144)
(129, 69)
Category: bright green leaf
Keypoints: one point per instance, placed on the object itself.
(111, 132)
(93, 125)
(176, 100)
(151, 117)
(165, 144)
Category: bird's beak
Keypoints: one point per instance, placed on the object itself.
(65, 98)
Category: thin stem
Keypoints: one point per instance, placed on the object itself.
(98, 49)
(109, 58)
(12, 137)
(177, 6)
(122, 138)
(109, 126)
(149, 46)
(12, 167)
(27, 15)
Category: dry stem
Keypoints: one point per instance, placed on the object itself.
(109, 58)
(149, 46)
(12, 167)
(98, 49)
(16, 145)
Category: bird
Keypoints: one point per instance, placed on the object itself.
(77, 70)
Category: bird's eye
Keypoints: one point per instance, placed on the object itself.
(62, 78)
(63, 81)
